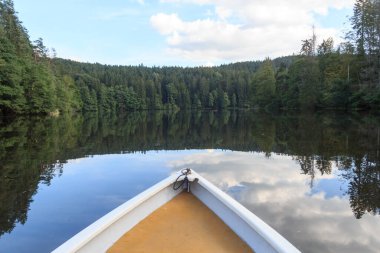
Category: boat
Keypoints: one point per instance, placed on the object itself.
(182, 213)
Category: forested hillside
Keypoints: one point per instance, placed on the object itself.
(345, 76)
(27, 82)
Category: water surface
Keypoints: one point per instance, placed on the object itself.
(315, 178)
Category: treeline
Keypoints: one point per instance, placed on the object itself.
(121, 88)
(33, 81)
(347, 76)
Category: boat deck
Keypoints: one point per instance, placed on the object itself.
(184, 225)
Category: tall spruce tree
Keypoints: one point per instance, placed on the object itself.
(365, 34)
(264, 84)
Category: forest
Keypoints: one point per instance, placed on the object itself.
(320, 76)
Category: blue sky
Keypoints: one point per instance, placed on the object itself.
(179, 32)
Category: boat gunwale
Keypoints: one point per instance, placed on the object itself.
(271, 236)
(80, 239)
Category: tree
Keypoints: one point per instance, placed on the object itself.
(234, 101)
(40, 51)
(309, 45)
(172, 93)
(39, 90)
(365, 34)
(282, 86)
(12, 99)
(211, 100)
(326, 47)
(264, 84)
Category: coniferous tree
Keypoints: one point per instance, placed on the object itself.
(264, 84)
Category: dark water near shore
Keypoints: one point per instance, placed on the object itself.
(315, 178)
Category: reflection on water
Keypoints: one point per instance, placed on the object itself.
(314, 178)
(315, 221)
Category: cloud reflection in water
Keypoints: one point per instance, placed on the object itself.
(314, 220)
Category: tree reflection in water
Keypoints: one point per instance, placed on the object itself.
(33, 150)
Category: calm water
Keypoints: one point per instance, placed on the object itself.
(315, 178)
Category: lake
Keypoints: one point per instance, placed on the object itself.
(313, 177)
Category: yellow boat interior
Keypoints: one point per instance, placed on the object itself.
(184, 225)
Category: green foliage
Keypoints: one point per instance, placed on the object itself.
(264, 84)
(157, 88)
(11, 92)
(337, 96)
(309, 83)
(283, 92)
(27, 82)
(39, 90)
(68, 95)
(365, 35)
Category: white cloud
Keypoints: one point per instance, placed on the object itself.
(259, 28)
(167, 24)
(222, 12)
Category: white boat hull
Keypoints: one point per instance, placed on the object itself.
(103, 233)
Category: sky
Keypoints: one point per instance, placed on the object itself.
(180, 32)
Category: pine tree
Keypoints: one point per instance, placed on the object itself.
(264, 84)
